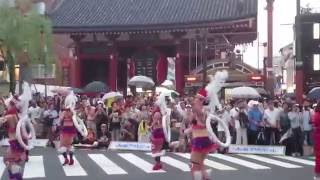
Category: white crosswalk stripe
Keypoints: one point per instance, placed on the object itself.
(140, 163)
(239, 161)
(106, 164)
(175, 163)
(298, 160)
(2, 166)
(210, 163)
(74, 170)
(270, 161)
(34, 168)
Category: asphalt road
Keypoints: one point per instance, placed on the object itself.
(129, 165)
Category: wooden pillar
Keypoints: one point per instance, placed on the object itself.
(77, 65)
(179, 73)
(113, 72)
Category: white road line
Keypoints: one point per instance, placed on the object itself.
(2, 167)
(239, 161)
(34, 168)
(210, 163)
(270, 161)
(175, 163)
(138, 162)
(298, 160)
(74, 170)
(106, 164)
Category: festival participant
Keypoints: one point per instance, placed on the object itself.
(16, 154)
(316, 134)
(201, 144)
(67, 133)
(157, 139)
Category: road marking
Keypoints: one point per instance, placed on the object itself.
(270, 161)
(74, 170)
(209, 163)
(34, 168)
(2, 167)
(106, 164)
(239, 161)
(138, 162)
(175, 163)
(298, 160)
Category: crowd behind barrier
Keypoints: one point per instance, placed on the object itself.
(260, 122)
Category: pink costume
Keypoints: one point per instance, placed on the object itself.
(16, 154)
(68, 132)
(157, 139)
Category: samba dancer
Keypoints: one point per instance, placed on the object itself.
(204, 140)
(16, 119)
(70, 123)
(157, 139)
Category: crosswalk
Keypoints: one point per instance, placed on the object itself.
(125, 163)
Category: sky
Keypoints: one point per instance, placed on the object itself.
(284, 14)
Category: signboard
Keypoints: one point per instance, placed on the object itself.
(135, 146)
(251, 149)
(35, 143)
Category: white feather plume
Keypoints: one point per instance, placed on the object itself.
(24, 99)
(213, 88)
(70, 101)
(161, 100)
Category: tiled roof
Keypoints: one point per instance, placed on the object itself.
(127, 15)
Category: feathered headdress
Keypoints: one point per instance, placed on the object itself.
(70, 101)
(214, 87)
(24, 99)
(162, 100)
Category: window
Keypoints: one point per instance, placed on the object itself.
(316, 31)
(316, 62)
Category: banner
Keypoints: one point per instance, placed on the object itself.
(171, 75)
(265, 150)
(135, 146)
(35, 143)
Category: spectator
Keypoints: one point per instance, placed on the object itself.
(49, 116)
(295, 118)
(242, 137)
(285, 128)
(115, 120)
(272, 120)
(307, 114)
(103, 136)
(255, 123)
(91, 117)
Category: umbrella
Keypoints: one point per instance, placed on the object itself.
(77, 90)
(314, 93)
(96, 87)
(112, 94)
(141, 81)
(61, 90)
(244, 92)
(261, 91)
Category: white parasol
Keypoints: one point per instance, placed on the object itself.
(244, 92)
(112, 94)
(141, 81)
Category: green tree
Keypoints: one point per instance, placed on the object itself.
(25, 37)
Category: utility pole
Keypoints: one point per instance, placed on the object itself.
(269, 68)
(299, 79)
(205, 58)
(43, 56)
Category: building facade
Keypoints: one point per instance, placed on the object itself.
(110, 41)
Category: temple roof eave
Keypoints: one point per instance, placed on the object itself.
(142, 28)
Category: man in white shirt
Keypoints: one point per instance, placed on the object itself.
(272, 121)
(35, 112)
(307, 114)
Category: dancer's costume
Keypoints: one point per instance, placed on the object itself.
(201, 145)
(316, 134)
(16, 154)
(67, 133)
(157, 139)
